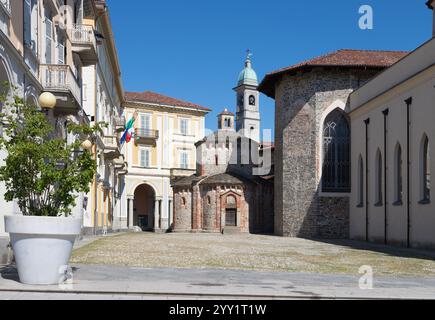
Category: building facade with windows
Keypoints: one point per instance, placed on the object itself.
(161, 151)
(44, 44)
(103, 97)
(312, 139)
(392, 153)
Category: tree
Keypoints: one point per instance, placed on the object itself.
(42, 172)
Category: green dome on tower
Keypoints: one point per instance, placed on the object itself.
(248, 75)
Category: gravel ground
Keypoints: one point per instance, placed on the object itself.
(253, 252)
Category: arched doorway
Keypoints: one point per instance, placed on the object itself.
(144, 207)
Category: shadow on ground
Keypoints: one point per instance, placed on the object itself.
(381, 248)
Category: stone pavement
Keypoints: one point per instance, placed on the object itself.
(109, 282)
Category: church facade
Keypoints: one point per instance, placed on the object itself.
(229, 193)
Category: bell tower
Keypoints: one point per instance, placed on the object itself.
(248, 102)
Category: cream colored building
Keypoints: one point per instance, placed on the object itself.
(393, 133)
(163, 149)
(103, 96)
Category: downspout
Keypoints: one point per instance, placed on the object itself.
(408, 175)
(385, 112)
(367, 122)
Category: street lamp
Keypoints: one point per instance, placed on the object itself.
(87, 145)
(47, 101)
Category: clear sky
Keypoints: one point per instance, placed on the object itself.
(194, 49)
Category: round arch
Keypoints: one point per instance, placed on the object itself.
(144, 210)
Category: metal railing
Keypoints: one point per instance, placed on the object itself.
(83, 34)
(6, 5)
(146, 134)
(59, 77)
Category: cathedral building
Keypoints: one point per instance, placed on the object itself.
(228, 193)
(312, 139)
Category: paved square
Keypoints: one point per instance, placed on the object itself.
(253, 252)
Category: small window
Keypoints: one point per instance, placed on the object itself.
(184, 160)
(252, 100)
(425, 170)
(145, 158)
(184, 127)
(227, 143)
(378, 179)
(208, 200)
(398, 178)
(183, 201)
(360, 182)
(145, 121)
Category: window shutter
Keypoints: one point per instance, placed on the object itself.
(60, 53)
(48, 40)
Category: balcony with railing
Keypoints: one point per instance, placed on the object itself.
(61, 81)
(5, 5)
(120, 124)
(146, 136)
(84, 43)
(112, 148)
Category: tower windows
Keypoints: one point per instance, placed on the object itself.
(336, 153)
(252, 100)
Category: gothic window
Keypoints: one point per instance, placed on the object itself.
(336, 153)
(251, 100)
(398, 178)
(360, 182)
(425, 170)
(378, 179)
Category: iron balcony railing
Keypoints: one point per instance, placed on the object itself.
(59, 77)
(83, 34)
(146, 134)
(6, 5)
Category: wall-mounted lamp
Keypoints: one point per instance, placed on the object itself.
(47, 101)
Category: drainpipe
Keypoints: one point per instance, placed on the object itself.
(367, 122)
(408, 165)
(385, 112)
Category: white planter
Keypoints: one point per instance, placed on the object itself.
(42, 246)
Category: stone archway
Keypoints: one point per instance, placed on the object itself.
(144, 208)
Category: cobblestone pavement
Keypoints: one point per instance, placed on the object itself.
(253, 252)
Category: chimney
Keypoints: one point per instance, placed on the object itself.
(431, 5)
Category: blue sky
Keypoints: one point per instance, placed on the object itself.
(195, 49)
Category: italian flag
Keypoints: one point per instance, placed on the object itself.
(129, 130)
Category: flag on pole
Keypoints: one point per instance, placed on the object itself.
(129, 130)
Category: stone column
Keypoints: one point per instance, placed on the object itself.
(156, 215)
(130, 213)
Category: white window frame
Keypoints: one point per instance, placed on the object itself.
(187, 122)
(184, 159)
(142, 122)
(144, 163)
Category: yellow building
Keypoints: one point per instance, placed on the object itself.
(163, 148)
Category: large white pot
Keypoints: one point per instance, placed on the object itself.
(42, 246)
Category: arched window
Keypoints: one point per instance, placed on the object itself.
(425, 170)
(183, 201)
(398, 175)
(231, 201)
(378, 179)
(336, 153)
(360, 182)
